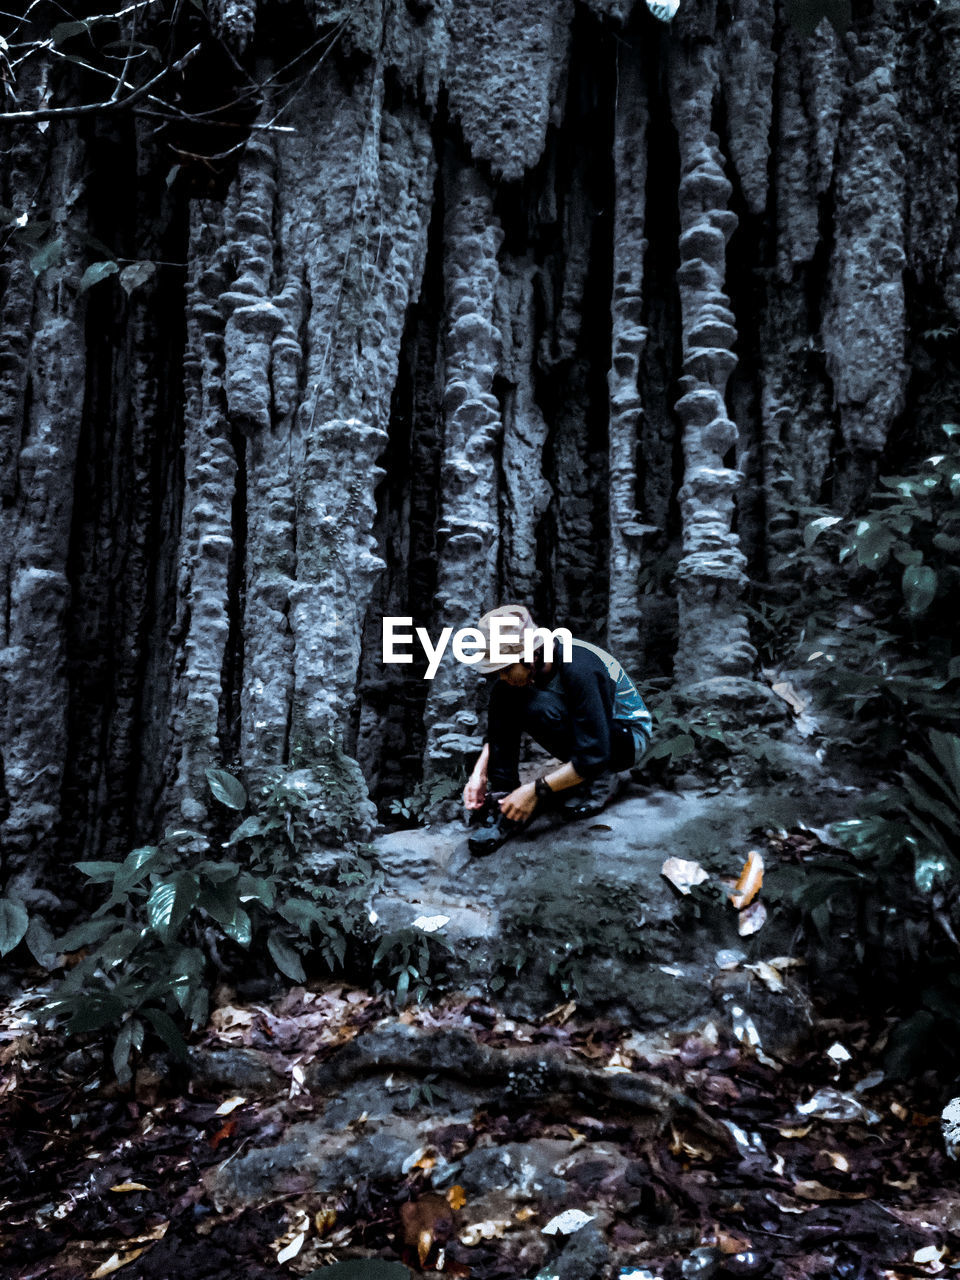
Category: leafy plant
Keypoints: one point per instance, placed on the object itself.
(14, 922)
(412, 958)
(427, 796)
(893, 898)
(869, 600)
(147, 949)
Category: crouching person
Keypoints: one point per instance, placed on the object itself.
(586, 712)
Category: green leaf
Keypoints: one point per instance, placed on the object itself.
(403, 984)
(183, 835)
(220, 901)
(95, 1012)
(919, 585)
(14, 922)
(872, 542)
(239, 928)
(41, 944)
(816, 527)
(129, 1038)
(302, 913)
(87, 934)
(97, 272)
(286, 958)
(218, 872)
(255, 825)
(49, 256)
(946, 747)
(136, 274)
(227, 789)
(256, 889)
(169, 903)
(98, 872)
(166, 1029)
(135, 866)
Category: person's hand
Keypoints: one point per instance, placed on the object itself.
(475, 792)
(519, 804)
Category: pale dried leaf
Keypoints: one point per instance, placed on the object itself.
(231, 1104)
(752, 919)
(114, 1263)
(683, 874)
(566, 1223)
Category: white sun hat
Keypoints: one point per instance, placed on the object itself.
(510, 645)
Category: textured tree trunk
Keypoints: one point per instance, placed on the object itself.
(530, 299)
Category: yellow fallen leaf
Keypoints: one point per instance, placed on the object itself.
(325, 1220)
(796, 1133)
(129, 1186)
(231, 1104)
(455, 1196)
(114, 1263)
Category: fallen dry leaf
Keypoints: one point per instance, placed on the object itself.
(813, 1190)
(456, 1198)
(790, 696)
(767, 974)
(114, 1263)
(682, 874)
(749, 882)
(129, 1186)
(223, 1133)
(566, 1223)
(426, 1222)
(562, 1013)
(325, 1220)
(231, 1104)
(751, 919)
(293, 1248)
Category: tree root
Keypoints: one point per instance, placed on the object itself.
(528, 1073)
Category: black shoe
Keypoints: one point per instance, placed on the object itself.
(591, 797)
(492, 835)
(494, 830)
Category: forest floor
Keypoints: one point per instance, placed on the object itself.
(468, 1138)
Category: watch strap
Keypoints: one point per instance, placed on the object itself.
(542, 788)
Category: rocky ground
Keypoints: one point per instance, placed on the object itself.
(666, 1088)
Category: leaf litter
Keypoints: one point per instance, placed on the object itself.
(815, 1182)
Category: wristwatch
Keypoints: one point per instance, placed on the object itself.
(542, 788)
